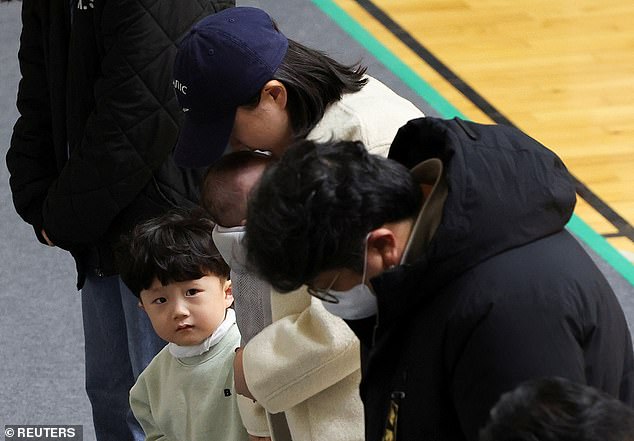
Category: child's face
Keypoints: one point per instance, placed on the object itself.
(186, 313)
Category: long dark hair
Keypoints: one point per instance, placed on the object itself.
(313, 80)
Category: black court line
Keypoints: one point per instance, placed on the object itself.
(623, 227)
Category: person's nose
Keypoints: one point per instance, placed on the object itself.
(180, 310)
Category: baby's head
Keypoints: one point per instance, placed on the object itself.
(181, 280)
(227, 185)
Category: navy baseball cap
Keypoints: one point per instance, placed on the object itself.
(222, 63)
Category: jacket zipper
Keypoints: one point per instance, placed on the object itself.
(391, 421)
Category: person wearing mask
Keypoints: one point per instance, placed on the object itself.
(451, 263)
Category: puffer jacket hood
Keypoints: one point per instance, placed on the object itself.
(505, 190)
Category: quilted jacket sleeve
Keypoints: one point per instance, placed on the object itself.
(31, 158)
(134, 123)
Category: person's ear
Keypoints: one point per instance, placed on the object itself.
(140, 305)
(275, 92)
(228, 290)
(383, 251)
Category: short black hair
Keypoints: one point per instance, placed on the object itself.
(556, 409)
(221, 195)
(312, 210)
(313, 80)
(174, 247)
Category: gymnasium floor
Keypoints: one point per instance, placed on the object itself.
(563, 72)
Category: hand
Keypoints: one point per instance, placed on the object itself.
(238, 376)
(259, 438)
(48, 241)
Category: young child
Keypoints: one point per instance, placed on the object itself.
(186, 393)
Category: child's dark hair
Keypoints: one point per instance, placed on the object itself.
(174, 247)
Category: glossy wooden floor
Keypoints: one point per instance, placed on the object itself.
(561, 71)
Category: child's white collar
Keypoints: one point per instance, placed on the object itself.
(199, 349)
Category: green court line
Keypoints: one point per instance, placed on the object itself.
(447, 110)
(602, 247)
(444, 108)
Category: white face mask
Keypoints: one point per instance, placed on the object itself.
(354, 304)
(228, 240)
(358, 302)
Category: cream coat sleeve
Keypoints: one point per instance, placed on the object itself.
(304, 351)
(253, 417)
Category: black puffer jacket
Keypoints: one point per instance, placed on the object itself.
(501, 294)
(91, 152)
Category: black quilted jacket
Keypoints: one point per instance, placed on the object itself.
(91, 152)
